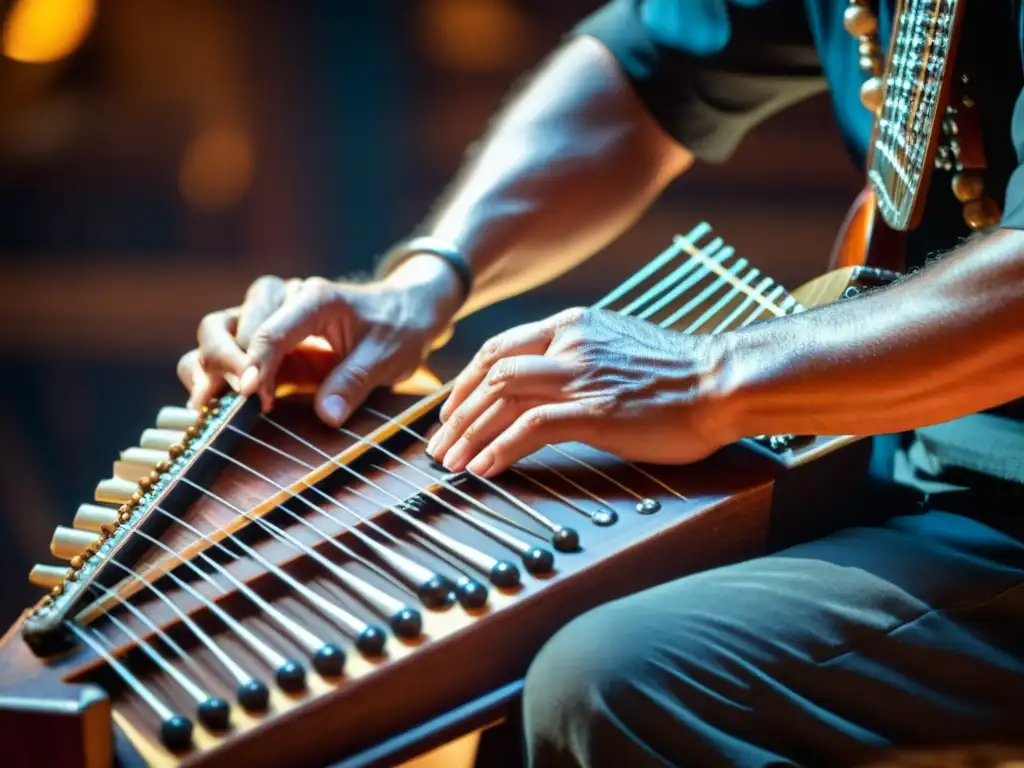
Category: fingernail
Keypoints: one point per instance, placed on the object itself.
(334, 409)
(250, 380)
(435, 443)
(454, 459)
(481, 463)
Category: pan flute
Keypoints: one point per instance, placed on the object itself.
(260, 589)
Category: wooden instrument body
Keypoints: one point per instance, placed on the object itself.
(738, 504)
(727, 516)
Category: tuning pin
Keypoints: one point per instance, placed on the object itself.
(161, 439)
(68, 543)
(128, 470)
(176, 418)
(47, 576)
(91, 517)
(116, 490)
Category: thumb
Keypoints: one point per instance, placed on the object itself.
(347, 386)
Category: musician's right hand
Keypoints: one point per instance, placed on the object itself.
(378, 333)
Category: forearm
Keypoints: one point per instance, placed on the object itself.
(944, 343)
(567, 167)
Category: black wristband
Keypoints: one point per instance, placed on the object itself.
(434, 246)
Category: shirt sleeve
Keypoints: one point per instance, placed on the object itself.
(711, 70)
(1013, 204)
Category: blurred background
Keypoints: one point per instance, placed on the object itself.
(158, 155)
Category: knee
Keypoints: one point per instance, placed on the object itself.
(592, 672)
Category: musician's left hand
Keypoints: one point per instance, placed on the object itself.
(616, 383)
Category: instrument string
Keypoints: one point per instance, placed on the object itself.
(502, 573)
(702, 270)
(535, 559)
(604, 516)
(763, 286)
(192, 690)
(369, 639)
(414, 573)
(667, 283)
(370, 542)
(212, 711)
(406, 622)
(432, 588)
(155, 628)
(653, 265)
(537, 516)
(251, 693)
(328, 659)
(175, 730)
(286, 670)
(708, 295)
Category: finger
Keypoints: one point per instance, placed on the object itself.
(482, 432)
(529, 339)
(285, 329)
(537, 427)
(187, 366)
(219, 353)
(262, 299)
(520, 376)
(347, 386)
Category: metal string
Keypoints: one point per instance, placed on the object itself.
(85, 635)
(302, 635)
(413, 570)
(458, 491)
(425, 575)
(352, 623)
(381, 600)
(477, 559)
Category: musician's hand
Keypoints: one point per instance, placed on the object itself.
(613, 382)
(378, 334)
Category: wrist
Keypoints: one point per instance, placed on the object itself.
(435, 282)
(719, 410)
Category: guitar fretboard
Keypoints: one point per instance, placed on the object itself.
(909, 119)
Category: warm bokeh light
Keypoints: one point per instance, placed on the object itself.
(38, 31)
(217, 168)
(482, 35)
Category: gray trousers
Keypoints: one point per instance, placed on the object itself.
(909, 633)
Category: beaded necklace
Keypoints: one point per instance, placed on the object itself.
(979, 210)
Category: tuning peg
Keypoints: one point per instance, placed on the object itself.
(91, 517)
(47, 576)
(116, 490)
(68, 543)
(176, 418)
(161, 439)
(147, 457)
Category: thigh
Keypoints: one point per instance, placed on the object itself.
(910, 633)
